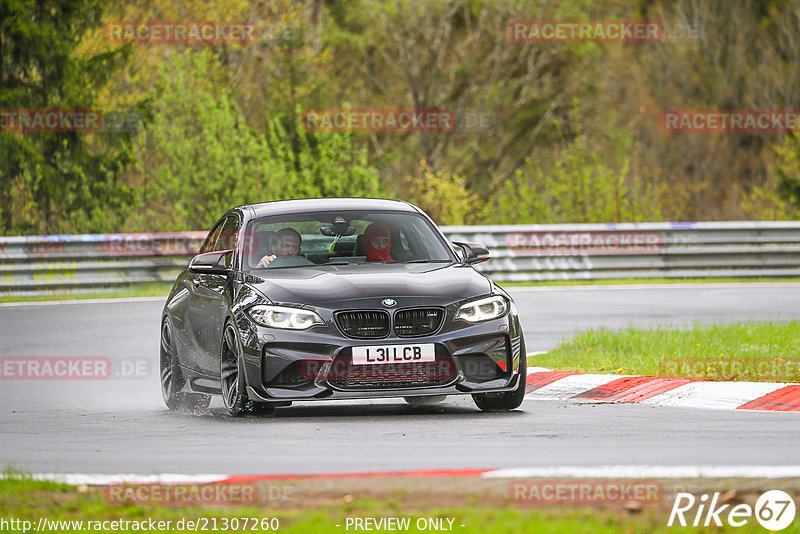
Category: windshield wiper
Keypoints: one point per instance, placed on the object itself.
(425, 260)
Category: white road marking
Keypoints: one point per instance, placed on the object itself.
(710, 395)
(97, 479)
(714, 395)
(649, 471)
(570, 386)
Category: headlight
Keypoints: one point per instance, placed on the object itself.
(284, 317)
(483, 309)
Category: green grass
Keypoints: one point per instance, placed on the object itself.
(752, 351)
(149, 289)
(631, 281)
(24, 499)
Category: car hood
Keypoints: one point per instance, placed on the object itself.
(316, 285)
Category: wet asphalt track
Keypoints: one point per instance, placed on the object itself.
(121, 426)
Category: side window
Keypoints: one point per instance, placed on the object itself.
(208, 245)
(228, 235)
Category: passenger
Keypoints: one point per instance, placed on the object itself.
(378, 242)
(289, 242)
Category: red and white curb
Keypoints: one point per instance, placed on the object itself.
(546, 384)
(567, 471)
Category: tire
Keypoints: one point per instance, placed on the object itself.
(231, 374)
(509, 400)
(428, 400)
(232, 378)
(171, 378)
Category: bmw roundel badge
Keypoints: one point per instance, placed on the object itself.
(388, 302)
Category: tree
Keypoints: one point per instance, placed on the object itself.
(199, 156)
(72, 179)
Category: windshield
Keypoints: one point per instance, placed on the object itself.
(342, 238)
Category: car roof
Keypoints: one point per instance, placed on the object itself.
(307, 205)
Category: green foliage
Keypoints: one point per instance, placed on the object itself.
(322, 165)
(779, 197)
(57, 181)
(445, 197)
(575, 186)
(574, 133)
(200, 157)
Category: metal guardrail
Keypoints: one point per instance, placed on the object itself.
(643, 250)
(35, 265)
(89, 263)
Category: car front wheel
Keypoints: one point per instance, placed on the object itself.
(502, 402)
(232, 381)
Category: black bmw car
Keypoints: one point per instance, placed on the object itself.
(324, 299)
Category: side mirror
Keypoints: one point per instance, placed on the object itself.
(473, 252)
(212, 262)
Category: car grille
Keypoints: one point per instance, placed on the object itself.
(417, 321)
(343, 374)
(363, 324)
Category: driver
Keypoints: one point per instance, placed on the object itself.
(378, 242)
(289, 242)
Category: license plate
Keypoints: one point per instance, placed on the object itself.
(380, 354)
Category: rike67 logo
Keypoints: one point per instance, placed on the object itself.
(774, 510)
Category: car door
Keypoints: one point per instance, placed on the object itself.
(207, 304)
(186, 344)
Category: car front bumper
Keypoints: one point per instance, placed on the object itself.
(286, 366)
